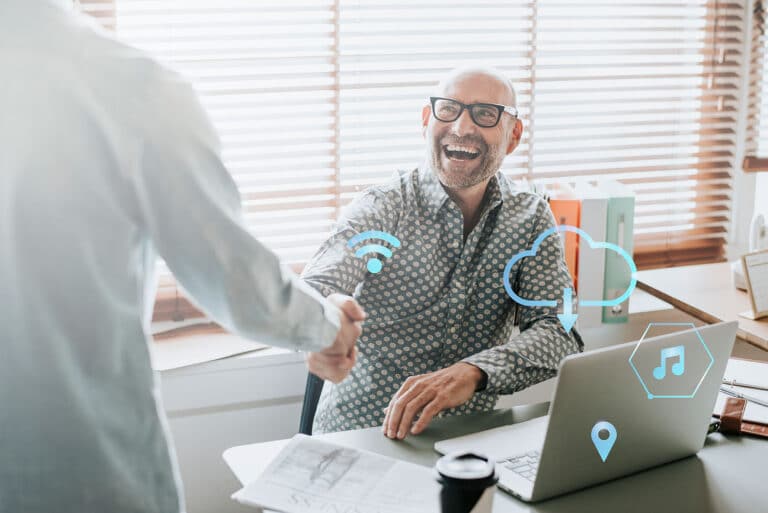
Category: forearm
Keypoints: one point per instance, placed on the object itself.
(241, 284)
(190, 208)
(532, 356)
(286, 312)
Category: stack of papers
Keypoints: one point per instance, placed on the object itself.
(312, 476)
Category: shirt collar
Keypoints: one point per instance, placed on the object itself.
(433, 194)
(494, 192)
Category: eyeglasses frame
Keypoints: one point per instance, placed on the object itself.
(512, 111)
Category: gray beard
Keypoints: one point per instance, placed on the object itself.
(490, 166)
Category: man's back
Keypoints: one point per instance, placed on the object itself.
(108, 160)
(79, 429)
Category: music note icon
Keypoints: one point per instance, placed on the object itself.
(678, 368)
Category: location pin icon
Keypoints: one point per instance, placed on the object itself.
(603, 446)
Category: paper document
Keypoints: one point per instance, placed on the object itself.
(312, 476)
(746, 373)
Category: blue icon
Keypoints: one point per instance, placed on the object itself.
(374, 264)
(678, 368)
(604, 446)
(568, 318)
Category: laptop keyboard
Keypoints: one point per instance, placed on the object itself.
(524, 465)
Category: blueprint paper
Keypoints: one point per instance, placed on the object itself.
(312, 476)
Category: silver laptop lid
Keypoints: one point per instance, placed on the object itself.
(626, 408)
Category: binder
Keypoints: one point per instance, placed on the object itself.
(591, 261)
(566, 208)
(619, 230)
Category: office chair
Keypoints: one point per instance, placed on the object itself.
(312, 393)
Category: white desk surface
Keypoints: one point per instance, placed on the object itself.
(727, 475)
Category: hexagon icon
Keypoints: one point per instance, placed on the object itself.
(671, 368)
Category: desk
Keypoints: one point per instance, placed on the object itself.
(707, 293)
(727, 476)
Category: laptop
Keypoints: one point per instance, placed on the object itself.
(615, 411)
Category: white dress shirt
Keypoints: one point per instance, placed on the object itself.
(106, 160)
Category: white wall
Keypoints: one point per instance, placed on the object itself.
(218, 405)
(761, 194)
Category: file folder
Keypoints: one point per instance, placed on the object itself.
(591, 261)
(619, 230)
(566, 208)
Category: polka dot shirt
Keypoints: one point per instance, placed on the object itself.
(440, 300)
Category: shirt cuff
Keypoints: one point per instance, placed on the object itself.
(317, 329)
(487, 383)
(331, 324)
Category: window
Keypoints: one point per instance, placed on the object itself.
(317, 99)
(757, 129)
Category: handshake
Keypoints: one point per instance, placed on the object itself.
(335, 361)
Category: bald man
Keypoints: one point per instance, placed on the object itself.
(441, 336)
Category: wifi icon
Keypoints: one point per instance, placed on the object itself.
(374, 264)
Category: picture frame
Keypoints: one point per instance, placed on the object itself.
(755, 266)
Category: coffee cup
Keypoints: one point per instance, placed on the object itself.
(468, 482)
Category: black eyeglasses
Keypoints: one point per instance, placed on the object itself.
(486, 115)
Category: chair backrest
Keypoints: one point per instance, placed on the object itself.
(312, 393)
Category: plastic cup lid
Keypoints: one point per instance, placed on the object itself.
(466, 467)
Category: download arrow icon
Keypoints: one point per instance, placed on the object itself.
(567, 318)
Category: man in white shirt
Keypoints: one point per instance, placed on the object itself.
(106, 161)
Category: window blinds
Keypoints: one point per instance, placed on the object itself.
(317, 99)
(645, 92)
(757, 128)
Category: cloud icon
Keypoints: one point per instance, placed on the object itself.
(567, 318)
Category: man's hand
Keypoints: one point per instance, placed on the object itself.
(334, 363)
(427, 395)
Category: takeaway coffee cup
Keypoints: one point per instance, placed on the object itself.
(469, 482)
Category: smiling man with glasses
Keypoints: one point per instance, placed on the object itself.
(442, 336)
